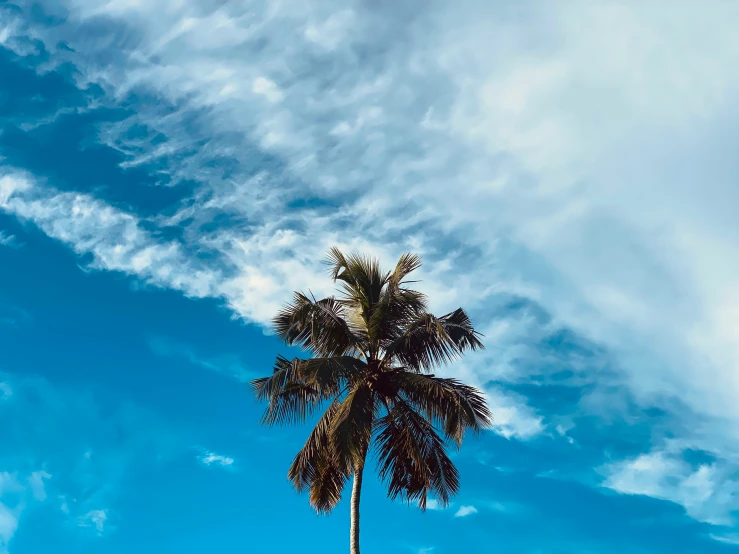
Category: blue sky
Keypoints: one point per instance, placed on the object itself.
(170, 171)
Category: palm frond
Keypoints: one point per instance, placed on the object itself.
(397, 309)
(289, 398)
(431, 341)
(447, 403)
(406, 265)
(284, 371)
(315, 466)
(351, 427)
(317, 325)
(398, 305)
(361, 279)
(298, 387)
(337, 262)
(412, 459)
(330, 375)
(327, 486)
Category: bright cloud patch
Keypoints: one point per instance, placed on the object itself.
(212, 458)
(95, 519)
(433, 504)
(8, 514)
(6, 239)
(708, 492)
(513, 419)
(465, 511)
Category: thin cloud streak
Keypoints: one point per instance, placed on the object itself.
(465, 511)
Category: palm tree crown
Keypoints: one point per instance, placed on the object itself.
(372, 349)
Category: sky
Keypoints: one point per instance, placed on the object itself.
(171, 171)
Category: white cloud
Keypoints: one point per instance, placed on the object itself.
(433, 504)
(211, 458)
(266, 88)
(95, 519)
(465, 511)
(6, 239)
(18, 492)
(562, 431)
(226, 364)
(8, 526)
(9, 515)
(577, 156)
(118, 241)
(708, 492)
(512, 418)
(115, 238)
(11, 184)
(89, 464)
(729, 538)
(36, 481)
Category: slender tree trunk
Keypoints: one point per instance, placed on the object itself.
(356, 492)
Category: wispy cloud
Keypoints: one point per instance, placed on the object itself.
(729, 538)
(465, 511)
(36, 482)
(116, 239)
(6, 239)
(226, 364)
(19, 491)
(8, 526)
(89, 465)
(96, 519)
(15, 317)
(476, 134)
(211, 458)
(8, 514)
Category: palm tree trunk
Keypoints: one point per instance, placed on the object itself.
(356, 492)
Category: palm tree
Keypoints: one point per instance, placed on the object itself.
(372, 349)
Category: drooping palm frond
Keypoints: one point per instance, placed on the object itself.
(432, 341)
(447, 403)
(327, 486)
(266, 387)
(330, 375)
(315, 467)
(290, 399)
(298, 387)
(462, 333)
(317, 325)
(351, 426)
(412, 460)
